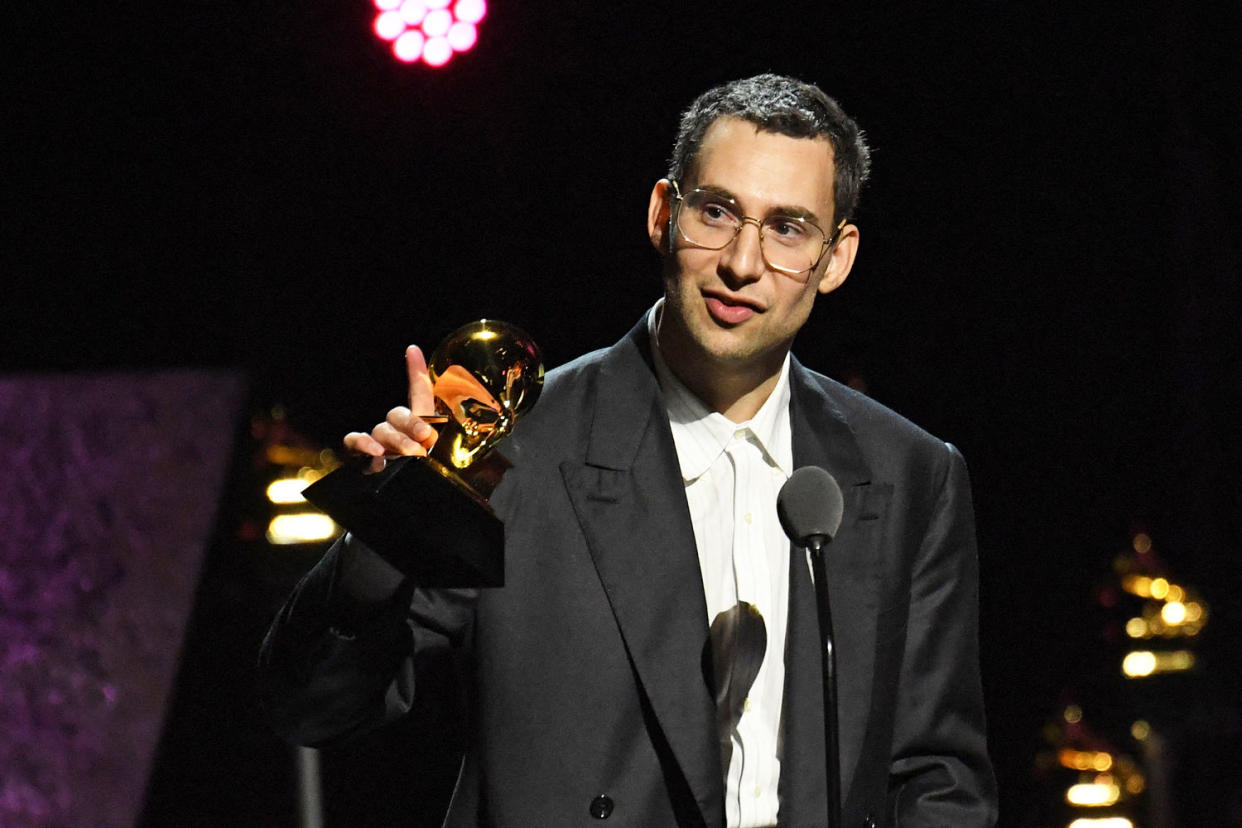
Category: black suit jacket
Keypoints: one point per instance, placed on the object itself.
(588, 681)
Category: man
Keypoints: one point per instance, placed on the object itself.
(640, 525)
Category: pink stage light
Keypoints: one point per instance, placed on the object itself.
(437, 23)
(437, 51)
(470, 11)
(462, 36)
(409, 46)
(413, 11)
(389, 25)
(428, 30)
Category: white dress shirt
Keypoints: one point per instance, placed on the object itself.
(732, 473)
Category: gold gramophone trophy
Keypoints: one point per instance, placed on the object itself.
(429, 516)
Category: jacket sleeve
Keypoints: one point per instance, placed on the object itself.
(939, 771)
(342, 654)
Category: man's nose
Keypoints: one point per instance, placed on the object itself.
(742, 258)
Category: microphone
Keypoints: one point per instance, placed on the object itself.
(810, 508)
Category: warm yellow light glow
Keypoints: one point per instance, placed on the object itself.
(1175, 661)
(1142, 663)
(287, 490)
(1072, 759)
(1136, 628)
(1159, 588)
(1139, 585)
(305, 527)
(1135, 783)
(1073, 714)
(1194, 611)
(1176, 593)
(1173, 613)
(1101, 822)
(1140, 730)
(1142, 543)
(1093, 794)
(1139, 663)
(1083, 760)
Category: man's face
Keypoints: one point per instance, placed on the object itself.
(726, 308)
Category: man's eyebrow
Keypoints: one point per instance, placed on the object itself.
(789, 210)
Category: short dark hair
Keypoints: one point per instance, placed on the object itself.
(787, 106)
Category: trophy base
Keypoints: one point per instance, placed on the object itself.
(419, 518)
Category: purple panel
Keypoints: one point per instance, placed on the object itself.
(108, 494)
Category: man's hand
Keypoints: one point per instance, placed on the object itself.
(404, 432)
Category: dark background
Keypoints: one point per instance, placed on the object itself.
(1048, 276)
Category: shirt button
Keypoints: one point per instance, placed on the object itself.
(746, 705)
(747, 517)
(601, 806)
(758, 791)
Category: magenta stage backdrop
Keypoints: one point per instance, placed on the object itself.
(108, 497)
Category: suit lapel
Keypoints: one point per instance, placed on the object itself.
(631, 505)
(822, 437)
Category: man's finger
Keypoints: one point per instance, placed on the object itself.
(396, 441)
(358, 442)
(403, 421)
(422, 400)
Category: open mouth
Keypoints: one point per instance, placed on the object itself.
(729, 313)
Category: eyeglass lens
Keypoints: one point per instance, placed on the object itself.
(711, 221)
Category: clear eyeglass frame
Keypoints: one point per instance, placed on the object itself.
(826, 242)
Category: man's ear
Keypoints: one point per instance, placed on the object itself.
(658, 216)
(840, 260)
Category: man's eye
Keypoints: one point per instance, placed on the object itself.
(716, 213)
(787, 229)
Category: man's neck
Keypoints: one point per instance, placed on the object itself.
(735, 389)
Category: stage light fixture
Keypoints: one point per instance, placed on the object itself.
(428, 30)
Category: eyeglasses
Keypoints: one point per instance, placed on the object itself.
(711, 220)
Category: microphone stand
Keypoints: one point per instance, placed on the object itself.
(832, 752)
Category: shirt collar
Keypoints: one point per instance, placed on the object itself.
(701, 435)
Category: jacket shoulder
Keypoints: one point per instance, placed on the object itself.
(890, 442)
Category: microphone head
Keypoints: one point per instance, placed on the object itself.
(810, 506)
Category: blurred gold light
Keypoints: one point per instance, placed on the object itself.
(1173, 612)
(304, 527)
(1139, 585)
(1073, 714)
(1176, 593)
(1085, 759)
(1142, 543)
(1194, 611)
(1142, 663)
(1175, 661)
(1140, 730)
(1101, 822)
(1093, 794)
(286, 490)
(1159, 588)
(1135, 783)
(1139, 663)
(1136, 628)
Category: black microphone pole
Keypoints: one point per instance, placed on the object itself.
(810, 507)
(832, 750)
